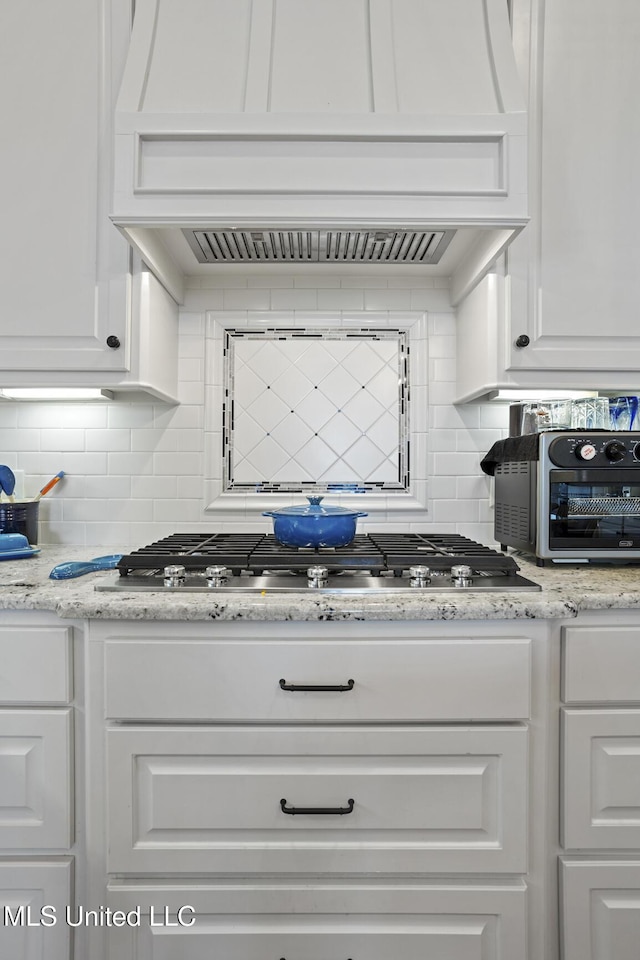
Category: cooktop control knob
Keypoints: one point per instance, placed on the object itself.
(317, 576)
(419, 576)
(462, 575)
(175, 575)
(615, 451)
(216, 576)
(636, 451)
(585, 451)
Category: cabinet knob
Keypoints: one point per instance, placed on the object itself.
(113, 342)
(523, 340)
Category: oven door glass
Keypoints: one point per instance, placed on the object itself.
(601, 512)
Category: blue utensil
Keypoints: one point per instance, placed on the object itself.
(7, 481)
(78, 568)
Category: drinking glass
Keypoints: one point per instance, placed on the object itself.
(590, 413)
(623, 412)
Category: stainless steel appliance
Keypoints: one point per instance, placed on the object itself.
(257, 563)
(580, 499)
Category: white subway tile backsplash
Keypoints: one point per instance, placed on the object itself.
(273, 281)
(109, 440)
(191, 392)
(366, 282)
(14, 440)
(135, 464)
(151, 488)
(442, 347)
(191, 368)
(130, 415)
(340, 299)
(387, 299)
(173, 464)
(246, 300)
(294, 299)
(138, 472)
(8, 415)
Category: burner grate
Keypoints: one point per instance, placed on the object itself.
(362, 553)
(194, 551)
(257, 552)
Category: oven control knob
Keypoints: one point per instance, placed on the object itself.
(585, 451)
(420, 576)
(174, 575)
(636, 451)
(216, 576)
(462, 575)
(615, 451)
(317, 576)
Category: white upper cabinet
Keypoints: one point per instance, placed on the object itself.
(572, 284)
(69, 311)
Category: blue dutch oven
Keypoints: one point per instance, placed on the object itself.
(312, 525)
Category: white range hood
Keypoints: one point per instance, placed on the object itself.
(377, 134)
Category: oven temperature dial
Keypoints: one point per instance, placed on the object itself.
(615, 451)
(585, 451)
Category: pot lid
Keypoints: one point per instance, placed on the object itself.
(314, 509)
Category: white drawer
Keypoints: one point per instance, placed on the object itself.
(482, 921)
(601, 774)
(397, 679)
(35, 779)
(210, 799)
(601, 909)
(35, 664)
(601, 664)
(33, 884)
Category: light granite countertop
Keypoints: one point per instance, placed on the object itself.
(566, 591)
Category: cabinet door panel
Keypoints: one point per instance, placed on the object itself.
(32, 885)
(601, 771)
(56, 310)
(601, 664)
(211, 800)
(20, 649)
(313, 922)
(460, 679)
(35, 778)
(601, 909)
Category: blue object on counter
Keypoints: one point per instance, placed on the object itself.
(312, 525)
(15, 546)
(78, 568)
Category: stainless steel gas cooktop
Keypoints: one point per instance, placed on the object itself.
(376, 562)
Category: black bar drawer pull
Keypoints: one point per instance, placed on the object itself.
(339, 687)
(339, 811)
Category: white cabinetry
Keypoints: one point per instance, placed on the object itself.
(36, 795)
(271, 809)
(65, 271)
(572, 284)
(601, 800)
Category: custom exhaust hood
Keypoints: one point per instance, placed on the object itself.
(378, 134)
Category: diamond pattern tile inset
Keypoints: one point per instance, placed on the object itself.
(315, 407)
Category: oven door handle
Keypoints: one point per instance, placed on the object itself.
(336, 687)
(338, 811)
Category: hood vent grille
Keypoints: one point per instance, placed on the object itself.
(325, 246)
